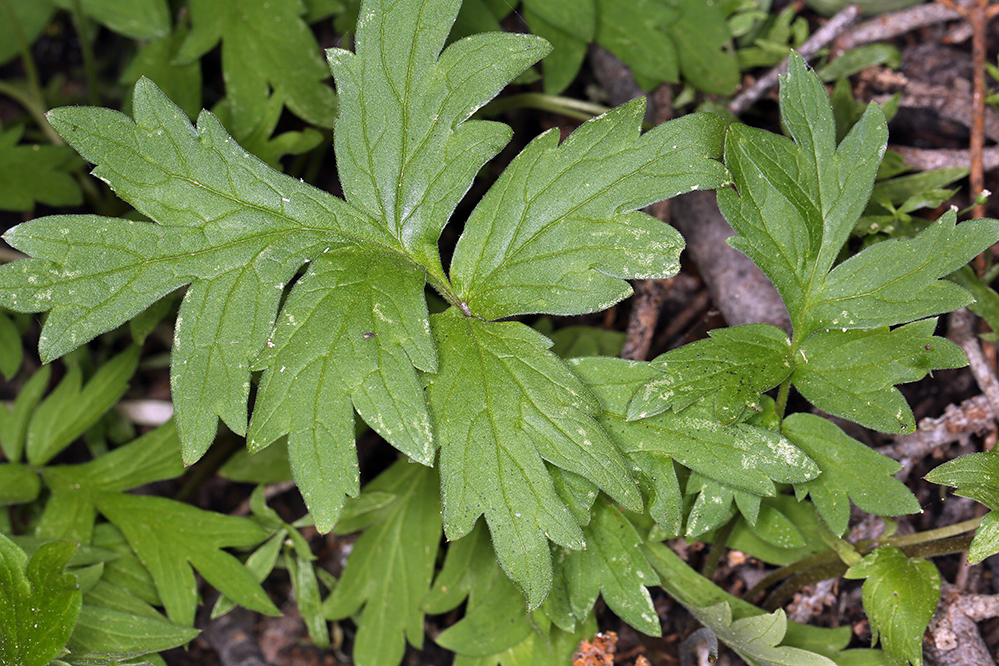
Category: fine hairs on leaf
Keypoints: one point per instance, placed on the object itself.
(553, 482)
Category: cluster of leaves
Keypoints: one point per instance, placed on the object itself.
(579, 468)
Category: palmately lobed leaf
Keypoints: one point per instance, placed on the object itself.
(349, 336)
(556, 233)
(406, 151)
(503, 405)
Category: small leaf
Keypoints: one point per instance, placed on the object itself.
(639, 37)
(974, 475)
(265, 45)
(14, 423)
(852, 373)
(613, 566)
(70, 410)
(19, 484)
(502, 404)
(170, 537)
(735, 364)
(138, 19)
(757, 638)
(900, 595)
(850, 470)
(39, 602)
(391, 566)
(35, 174)
(559, 232)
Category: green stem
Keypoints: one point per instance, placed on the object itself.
(566, 106)
(940, 533)
(785, 389)
(30, 69)
(86, 48)
(34, 107)
(714, 555)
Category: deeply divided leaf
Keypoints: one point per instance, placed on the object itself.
(557, 232)
(349, 335)
(850, 471)
(502, 406)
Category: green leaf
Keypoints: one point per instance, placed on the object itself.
(613, 566)
(559, 231)
(756, 639)
(235, 228)
(35, 174)
(14, 423)
(138, 19)
(639, 37)
(568, 51)
(39, 602)
(265, 46)
(701, 35)
(852, 373)
(495, 616)
(115, 622)
(18, 484)
(735, 364)
(348, 337)
(391, 566)
(71, 409)
(694, 591)
(742, 456)
(897, 281)
(156, 61)
(798, 200)
(20, 25)
(974, 475)
(900, 595)
(170, 537)
(850, 471)
(502, 405)
(405, 151)
(305, 587)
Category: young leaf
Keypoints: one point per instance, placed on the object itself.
(69, 512)
(406, 152)
(852, 373)
(71, 409)
(757, 639)
(556, 233)
(170, 537)
(613, 566)
(391, 566)
(495, 619)
(742, 456)
(14, 423)
(850, 470)
(35, 174)
(502, 405)
(39, 602)
(265, 45)
(974, 476)
(899, 596)
(735, 364)
(348, 337)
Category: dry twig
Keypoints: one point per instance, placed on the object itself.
(893, 24)
(961, 331)
(832, 29)
(954, 637)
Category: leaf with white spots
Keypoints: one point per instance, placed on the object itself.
(852, 373)
(558, 232)
(350, 337)
(503, 406)
(734, 365)
(614, 566)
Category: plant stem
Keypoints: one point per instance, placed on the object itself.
(785, 388)
(566, 106)
(93, 84)
(714, 555)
